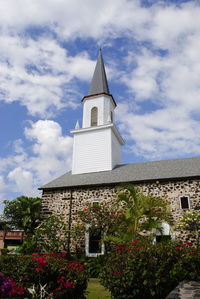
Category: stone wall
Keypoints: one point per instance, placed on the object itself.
(57, 201)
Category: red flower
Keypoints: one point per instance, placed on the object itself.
(120, 248)
(64, 284)
(75, 266)
(42, 263)
(63, 254)
(16, 290)
(38, 269)
(117, 273)
(134, 242)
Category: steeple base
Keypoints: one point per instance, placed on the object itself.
(96, 149)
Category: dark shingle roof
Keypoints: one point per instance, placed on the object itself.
(99, 82)
(137, 172)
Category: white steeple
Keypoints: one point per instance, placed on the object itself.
(97, 145)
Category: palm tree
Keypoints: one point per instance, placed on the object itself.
(141, 214)
(23, 213)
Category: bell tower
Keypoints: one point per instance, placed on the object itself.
(97, 144)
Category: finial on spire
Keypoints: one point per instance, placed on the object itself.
(77, 126)
(99, 82)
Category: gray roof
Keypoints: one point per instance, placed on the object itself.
(99, 82)
(137, 172)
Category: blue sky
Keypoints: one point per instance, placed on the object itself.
(47, 57)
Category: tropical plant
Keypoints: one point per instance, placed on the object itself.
(23, 213)
(132, 215)
(141, 214)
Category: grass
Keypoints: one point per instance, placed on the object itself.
(96, 291)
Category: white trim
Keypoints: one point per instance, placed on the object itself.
(96, 201)
(112, 126)
(184, 195)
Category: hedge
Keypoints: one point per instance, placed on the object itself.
(140, 271)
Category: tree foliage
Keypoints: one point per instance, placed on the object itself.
(130, 216)
(51, 235)
(23, 213)
(142, 213)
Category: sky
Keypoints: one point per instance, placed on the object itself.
(48, 51)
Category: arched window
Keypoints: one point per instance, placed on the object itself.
(94, 116)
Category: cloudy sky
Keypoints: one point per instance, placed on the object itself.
(48, 51)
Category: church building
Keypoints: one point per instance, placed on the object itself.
(97, 169)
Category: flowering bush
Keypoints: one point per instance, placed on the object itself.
(131, 215)
(101, 217)
(9, 287)
(142, 270)
(24, 275)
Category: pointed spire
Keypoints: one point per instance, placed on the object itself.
(99, 82)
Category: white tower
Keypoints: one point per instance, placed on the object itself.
(97, 144)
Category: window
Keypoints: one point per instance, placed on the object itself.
(93, 243)
(94, 116)
(184, 202)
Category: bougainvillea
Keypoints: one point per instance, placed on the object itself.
(8, 287)
(143, 270)
(101, 217)
(53, 272)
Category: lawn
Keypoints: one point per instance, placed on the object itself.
(96, 291)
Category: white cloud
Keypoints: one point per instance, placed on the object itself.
(2, 184)
(73, 19)
(162, 69)
(52, 151)
(23, 180)
(39, 74)
(48, 156)
(163, 133)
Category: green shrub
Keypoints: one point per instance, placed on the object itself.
(61, 278)
(149, 271)
(94, 265)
